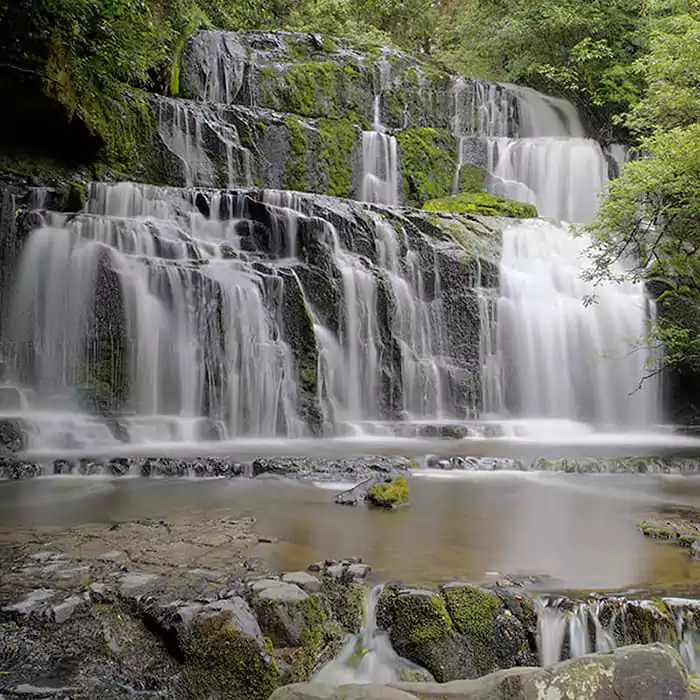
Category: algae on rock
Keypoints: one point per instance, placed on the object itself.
(481, 203)
(389, 495)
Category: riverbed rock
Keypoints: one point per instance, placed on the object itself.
(631, 673)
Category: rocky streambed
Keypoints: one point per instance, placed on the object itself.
(180, 608)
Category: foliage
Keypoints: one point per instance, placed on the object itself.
(566, 46)
(650, 218)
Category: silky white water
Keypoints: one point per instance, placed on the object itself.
(380, 163)
(561, 357)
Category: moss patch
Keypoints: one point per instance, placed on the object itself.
(420, 620)
(483, 204)
(471, 178)
(390, 495)
(428, 161)
(335, 155)
(295, 167)
(473, 612)
(312, 640)
(220, 662)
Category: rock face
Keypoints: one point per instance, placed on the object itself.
(288, 111)
(629, 673)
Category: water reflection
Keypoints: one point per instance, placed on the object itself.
(581, 530)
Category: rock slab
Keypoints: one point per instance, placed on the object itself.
(651, 672)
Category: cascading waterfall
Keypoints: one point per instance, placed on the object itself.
(181, 298)
(556, 355)
(563, 358)
(380, 163)
(577, 630)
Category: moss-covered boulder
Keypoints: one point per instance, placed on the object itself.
(298, 625)
(345, 598)
(389, 495)
(494, 634)
(481, 203)
(225, 656)
(420, 630)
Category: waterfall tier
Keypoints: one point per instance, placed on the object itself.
(558, 357)
(202, 314)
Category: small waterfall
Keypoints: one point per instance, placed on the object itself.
(368, 657)
(578, 629)
(185, 127)
(380, 163)
(537, 151)
(562, 358)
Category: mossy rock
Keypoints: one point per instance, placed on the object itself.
(422, 632)
(221, 663)
(389, 495)
(345, 601)
(313, 640)
(471, 178)
(495, 637)
(428, 160)
(482, 204)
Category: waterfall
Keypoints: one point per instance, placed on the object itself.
(554, 355)
(563, 358)
(602, 624)
(367, 657)
(380, 163)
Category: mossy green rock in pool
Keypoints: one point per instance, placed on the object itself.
(389, 495)
(483, 204)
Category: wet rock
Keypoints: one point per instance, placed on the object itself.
(358, 494)
(13, 434)
(631, 673)
(318, 469)
(224, 653)
(63, 611)
(308, 583)
(16, 471)
(280, 612)
(33, 602)
(131, 583)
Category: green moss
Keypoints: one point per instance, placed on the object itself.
(483, 204)
(312, 640)
(658, 531)
(471, 178)
(295, 167)
(310, 89)
(346, 601)
(428, 161)
(389, 495)
(473, 612)
(335, 155)
(420, 620)
(220, 662)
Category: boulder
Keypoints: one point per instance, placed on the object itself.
(630, 673)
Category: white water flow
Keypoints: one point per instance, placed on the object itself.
(556, 356)
(380, 163)
(602, 624)
(562, 358)
(537, 151)
(367, 657)
(143, 267)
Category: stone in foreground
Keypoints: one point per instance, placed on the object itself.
(651, 672)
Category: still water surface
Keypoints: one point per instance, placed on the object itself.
(581, 530)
